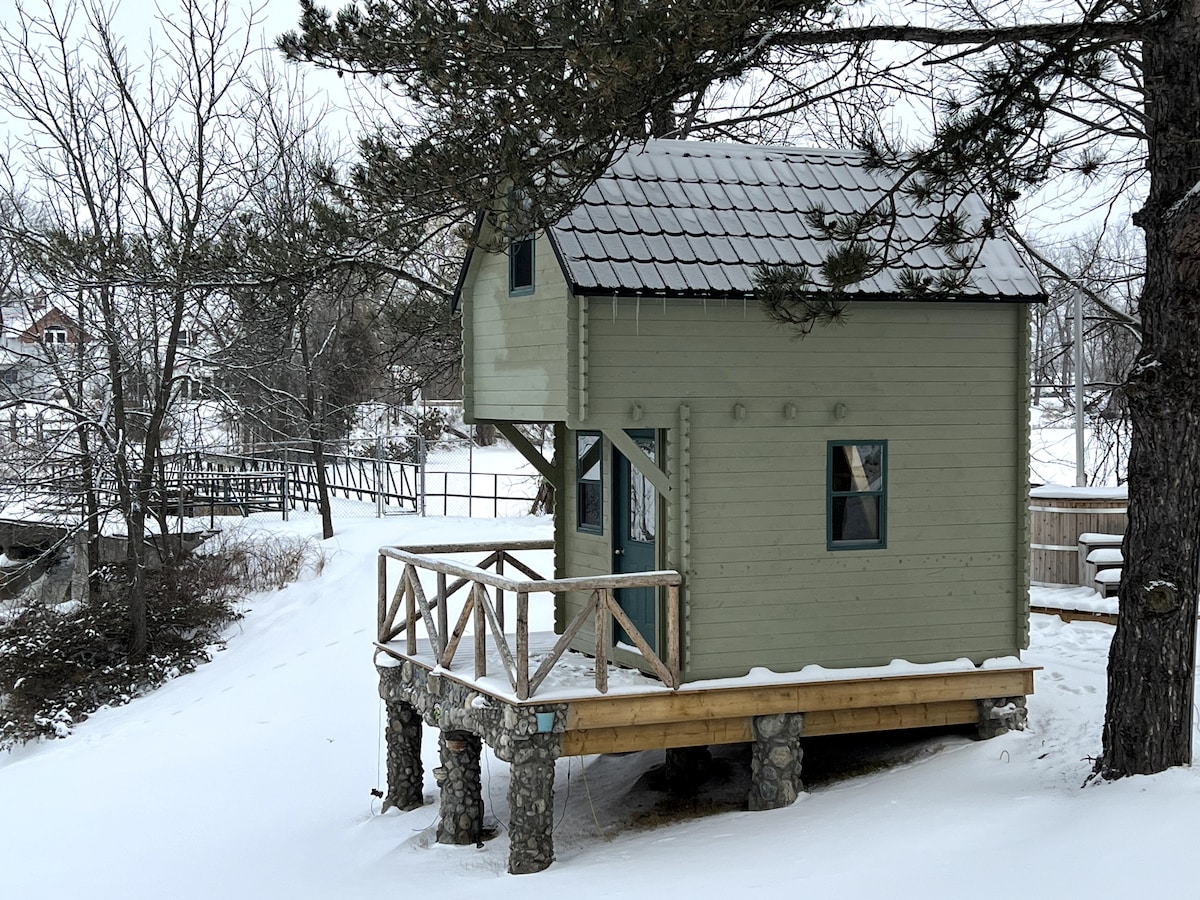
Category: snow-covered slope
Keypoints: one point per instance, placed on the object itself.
(251, 778)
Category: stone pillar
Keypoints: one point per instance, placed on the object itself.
(405, 774)
(531, 803)
(685, 769)
(461, 819)
(999, 715)
(775, 761)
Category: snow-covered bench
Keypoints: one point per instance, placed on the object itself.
(1107, 582)
(1098, 552)
(1100, 561)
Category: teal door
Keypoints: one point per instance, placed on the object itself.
(635, 528)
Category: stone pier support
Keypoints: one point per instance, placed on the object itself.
(405, 774)
(775, 761)
(999, 715)
(458, 776)
(531, 803)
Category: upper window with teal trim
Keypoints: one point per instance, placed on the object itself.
(857, 495)
(520, 265)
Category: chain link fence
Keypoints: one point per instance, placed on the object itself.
(450, 476)
(453, 470)
(463, 478)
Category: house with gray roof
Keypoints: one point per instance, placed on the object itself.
(790, 538)
(849, 499)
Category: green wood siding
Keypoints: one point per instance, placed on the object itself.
(941, 383)
(515, 347)
(586, 553)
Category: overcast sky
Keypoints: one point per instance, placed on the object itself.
(140, 25)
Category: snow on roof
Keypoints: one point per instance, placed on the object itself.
(693, 218)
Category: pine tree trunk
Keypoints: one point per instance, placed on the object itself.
(1148, 722)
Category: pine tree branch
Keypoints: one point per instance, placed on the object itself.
(1104, 32)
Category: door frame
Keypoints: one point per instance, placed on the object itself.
(622, 471)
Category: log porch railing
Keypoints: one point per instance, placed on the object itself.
(400, 610)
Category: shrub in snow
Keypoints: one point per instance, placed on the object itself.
(60, 663)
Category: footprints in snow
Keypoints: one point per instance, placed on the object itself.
(282, 665)
(1060, 682)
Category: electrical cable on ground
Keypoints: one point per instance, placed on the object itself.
(566, 798)
(600, 831)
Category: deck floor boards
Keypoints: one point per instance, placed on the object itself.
(639, 712)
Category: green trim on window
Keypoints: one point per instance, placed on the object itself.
(521, 266)
(856, 501)
(589, 482)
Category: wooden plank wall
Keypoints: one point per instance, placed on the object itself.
(936, 381)
(517, 346)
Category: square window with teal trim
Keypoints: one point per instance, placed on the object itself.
(589, 484)
(520, 265)
(857, 495)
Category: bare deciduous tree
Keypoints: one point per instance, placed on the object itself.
(129, 173)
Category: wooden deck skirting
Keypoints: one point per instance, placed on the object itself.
(722, 714)
(486, 611)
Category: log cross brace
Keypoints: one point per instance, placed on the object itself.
(638, 459)
(547, 469)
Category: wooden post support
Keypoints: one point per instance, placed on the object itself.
(603, 639)
(480, 628)
(410, 610)
(500, 591)
(381, 616)
(522, 645)
(673, 633)
(442, 603)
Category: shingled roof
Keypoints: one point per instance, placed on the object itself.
(684, 218)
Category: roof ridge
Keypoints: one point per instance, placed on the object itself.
(667, 144)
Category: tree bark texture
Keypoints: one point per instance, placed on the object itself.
(316, 432)
(1148, 721)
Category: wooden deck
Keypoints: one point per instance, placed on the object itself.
(608, 708)
(639, 713)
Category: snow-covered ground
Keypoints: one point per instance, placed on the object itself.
(251, 778)
(1052, 449)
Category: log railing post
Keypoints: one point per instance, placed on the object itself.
(443, 614)
(410, 611)
(673, 633)
(522, 645)
(479, 626)
(500, 591)
(381, 616)
(603, 638)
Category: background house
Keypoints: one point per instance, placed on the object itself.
(32, 336)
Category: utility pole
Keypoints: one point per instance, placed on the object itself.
(1080, 458)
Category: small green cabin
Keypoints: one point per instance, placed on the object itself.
(845, 500)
